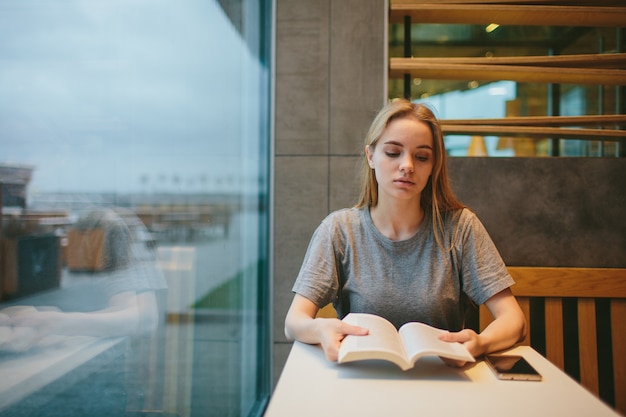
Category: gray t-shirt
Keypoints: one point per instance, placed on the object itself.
(350, 263)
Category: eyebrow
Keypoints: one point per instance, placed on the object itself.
(393, 142)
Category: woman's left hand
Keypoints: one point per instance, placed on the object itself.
(469, 338)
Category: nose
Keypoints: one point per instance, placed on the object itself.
(406, 165)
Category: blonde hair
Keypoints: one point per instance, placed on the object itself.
(437, 197)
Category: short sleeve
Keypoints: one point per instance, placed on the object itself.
(318, 276)
(483, 272)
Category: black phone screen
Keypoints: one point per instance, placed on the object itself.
(512, 367)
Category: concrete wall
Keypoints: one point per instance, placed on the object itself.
(330, 82)
(548, 211)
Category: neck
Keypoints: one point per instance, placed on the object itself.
(397, 221)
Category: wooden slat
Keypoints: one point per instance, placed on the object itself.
(554, 331)
(610, 60)
(484, 317)
(398, 67)
(569, 282)
(512, 14)
(587, 343)
(544, 2)
(595, 120)
(618, 337)
(537, 132)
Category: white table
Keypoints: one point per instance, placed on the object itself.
(312, 386)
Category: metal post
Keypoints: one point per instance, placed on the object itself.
(407, 54)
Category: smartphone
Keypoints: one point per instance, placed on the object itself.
(512, 367)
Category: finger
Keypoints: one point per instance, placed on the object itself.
(353, 330)
(460, 337)
(450, 337)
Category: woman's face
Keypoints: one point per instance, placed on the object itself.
(402, 159)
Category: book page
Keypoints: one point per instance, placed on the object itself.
(382, 342)
(421, 340)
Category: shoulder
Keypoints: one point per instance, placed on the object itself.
(455, 218)
(343, 225)
(463, 223)
(462, 218)
(344, 218)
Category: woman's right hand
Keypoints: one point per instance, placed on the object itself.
(332, 332)
(302, 324)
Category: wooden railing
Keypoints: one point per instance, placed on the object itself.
(587, 299)
(599, 69)
(566, 69)
(607, 127)
(524, 12)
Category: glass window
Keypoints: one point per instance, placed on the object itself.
(508, 72)
(134, 164)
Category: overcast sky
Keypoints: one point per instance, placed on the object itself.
(122, 95)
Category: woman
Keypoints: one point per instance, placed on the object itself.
(408, 251)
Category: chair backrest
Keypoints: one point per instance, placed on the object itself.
(577, 319)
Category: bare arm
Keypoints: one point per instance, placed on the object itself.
(127, 314)
(301, 324)
(507, 328)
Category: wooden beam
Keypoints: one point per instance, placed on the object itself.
(596, 120)
(618, 337)
(612, 60)
(536, 132)
(518, 2)
(588, 346)
(508, 14)
(569, 282)
(483, 72)
(554, 331)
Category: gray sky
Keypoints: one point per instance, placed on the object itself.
(98, 94)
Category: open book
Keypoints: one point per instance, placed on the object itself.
(403, 347)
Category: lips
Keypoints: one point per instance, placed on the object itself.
(404, 181)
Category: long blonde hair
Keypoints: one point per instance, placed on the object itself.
(437, 197)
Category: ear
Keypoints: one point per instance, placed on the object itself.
(370, 156)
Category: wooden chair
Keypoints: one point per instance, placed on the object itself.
(593, 302)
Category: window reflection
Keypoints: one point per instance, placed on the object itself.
(113, 262)
(133, 171)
